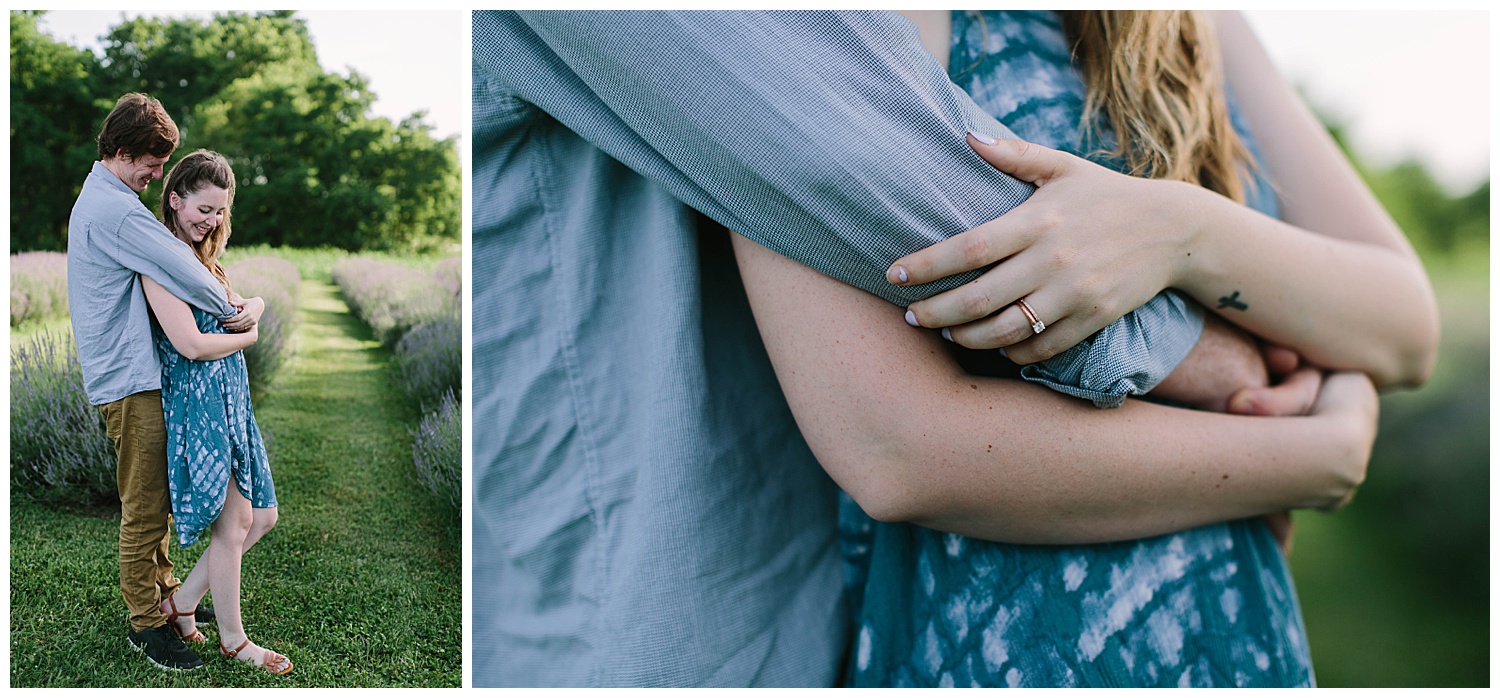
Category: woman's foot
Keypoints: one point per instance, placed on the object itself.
(255, 655)
(181, 621)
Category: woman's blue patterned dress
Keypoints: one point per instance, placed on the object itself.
(211, 434)
(1212, 606)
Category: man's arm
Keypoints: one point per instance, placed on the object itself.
(832, 138)
(144, 246)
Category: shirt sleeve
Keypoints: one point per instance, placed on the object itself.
(144, 246)
(832, 138)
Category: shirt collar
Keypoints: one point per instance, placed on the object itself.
(110, 179)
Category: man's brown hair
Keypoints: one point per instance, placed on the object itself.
(139, 125)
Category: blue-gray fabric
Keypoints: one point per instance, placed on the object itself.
(645, 511)
(112, 239)
(1210, 606)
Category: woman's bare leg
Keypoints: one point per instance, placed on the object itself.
(225, 549)
(263, 520)
(192, 591)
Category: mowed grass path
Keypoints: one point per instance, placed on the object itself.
(360, 582)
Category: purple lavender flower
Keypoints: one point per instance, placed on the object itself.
(59, 450)
(38, 286)
(437, 448)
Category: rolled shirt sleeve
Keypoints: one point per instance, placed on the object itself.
(832, 138)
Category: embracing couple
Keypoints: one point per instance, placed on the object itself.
(661, 399)
(160, 334)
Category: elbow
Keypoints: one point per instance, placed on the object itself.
(877, 473)
(193, 352)
(193, 348)
(1415, 357)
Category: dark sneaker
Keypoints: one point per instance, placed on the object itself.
(204, 615)
(164, 648)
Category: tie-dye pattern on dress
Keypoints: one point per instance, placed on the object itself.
(211, 434)
(1212, 606)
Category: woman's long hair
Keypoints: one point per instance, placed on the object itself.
(199, 169)
(1157, 77)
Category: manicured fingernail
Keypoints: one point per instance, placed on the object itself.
(897, 275)
(911, 319)
(947, 335)
(983, 138)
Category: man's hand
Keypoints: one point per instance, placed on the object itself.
(249, 315)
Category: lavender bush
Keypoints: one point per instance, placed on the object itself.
(438, 450)
(431, 360)
(391, 298)
(59, 450)
(278, 282)
(449, 272)
(38, 286)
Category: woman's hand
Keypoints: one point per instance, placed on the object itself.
(1350, 409)
(1088, 247)
(249, 316)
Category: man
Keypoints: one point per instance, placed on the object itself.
(112, 241)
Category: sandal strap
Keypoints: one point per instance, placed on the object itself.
(175, 614)
(276, 662)
(234, 652)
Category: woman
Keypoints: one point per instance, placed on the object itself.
(1211, 605)
(217, 466)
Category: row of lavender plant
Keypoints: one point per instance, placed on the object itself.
(59, 450)
(437, 448)
(392, 299)
(418, 312)
(277, 281)
(38, 287)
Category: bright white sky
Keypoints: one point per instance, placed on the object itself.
(413, 60)
(1405, 83)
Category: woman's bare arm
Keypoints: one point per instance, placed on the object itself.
(1336, 281)
(912, 437)
(176, 320)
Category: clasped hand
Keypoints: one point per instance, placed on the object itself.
(249, 316)
(1089, 246)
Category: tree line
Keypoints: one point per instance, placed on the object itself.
(313, 166)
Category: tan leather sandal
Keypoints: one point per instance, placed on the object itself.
(174, 614)
(273, 663)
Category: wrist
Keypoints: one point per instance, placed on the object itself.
(1191, 215)
(1349, 444)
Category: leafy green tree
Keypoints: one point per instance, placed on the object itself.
(55, 110)
(184, 62)
(314, 168)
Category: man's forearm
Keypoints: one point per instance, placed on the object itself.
(145, 247)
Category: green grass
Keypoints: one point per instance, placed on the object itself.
(360, 582)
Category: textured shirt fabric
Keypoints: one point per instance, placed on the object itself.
(1211, 606)
(111, 239)
(645, 511)
(211, 434)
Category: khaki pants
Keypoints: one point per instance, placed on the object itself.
(136, 425)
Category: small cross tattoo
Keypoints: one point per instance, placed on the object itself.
(1232, 301)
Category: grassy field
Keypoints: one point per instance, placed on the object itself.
(360, 583)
